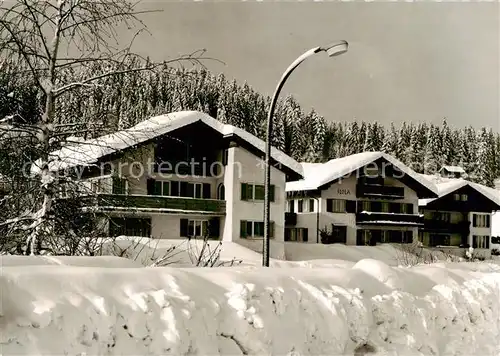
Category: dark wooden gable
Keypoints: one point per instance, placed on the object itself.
(475, 202)
(389, 171)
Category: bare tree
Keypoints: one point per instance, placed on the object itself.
(45, 40)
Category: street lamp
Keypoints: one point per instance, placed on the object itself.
(332, 50)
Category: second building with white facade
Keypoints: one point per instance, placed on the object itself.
(360, 199)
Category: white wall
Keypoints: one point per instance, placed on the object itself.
(346, 190)
(479, 231)
(244, 167)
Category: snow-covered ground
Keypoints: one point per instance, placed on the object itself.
(181, 253)
(60, 307)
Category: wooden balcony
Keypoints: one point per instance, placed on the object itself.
(372, 218)
(154, 203)
(462, 227)
(290, 219)
(379, 191)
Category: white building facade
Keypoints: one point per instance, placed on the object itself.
(190, 176)
(362, 199)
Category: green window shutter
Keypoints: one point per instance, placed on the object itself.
(243, 228)
(272, 190)
(271, 230)
(244, 191)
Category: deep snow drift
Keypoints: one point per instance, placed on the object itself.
(439, 309)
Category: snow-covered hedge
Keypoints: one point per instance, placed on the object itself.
(451, 309)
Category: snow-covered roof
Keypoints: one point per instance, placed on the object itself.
(446, 186)
(453, 169)
(317, 175)
(89, 152)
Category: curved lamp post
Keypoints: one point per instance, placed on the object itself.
(332, 50)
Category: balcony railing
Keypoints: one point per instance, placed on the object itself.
(155, 202)
(379, 191)
(290, 219)
(389, 219)
(462, 227)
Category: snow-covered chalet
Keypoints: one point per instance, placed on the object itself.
(362, 199)
(461, 215)
(180, 175)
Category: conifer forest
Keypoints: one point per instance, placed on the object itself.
(122, 101)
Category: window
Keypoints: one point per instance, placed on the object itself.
(480, 241)
(255, 192)
(311, 205)
(481, 220)
(197, 228)
(254, 229)
(300, 206)
(195, 190)
(464, 197)
(384, 208)
(335, 206)
(200, 228)
(161, 188)
(119, 185)
(440, 216)
(456, 197)
(339, 234)
(439, 240)
(221, 192)
(366, 205)
(364, 238)
(298, 234)
(179, 189)
(95, 186)
(130, 227)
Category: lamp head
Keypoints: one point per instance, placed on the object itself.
(336, 49)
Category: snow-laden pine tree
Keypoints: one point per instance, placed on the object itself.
(433, 156)
(390, 144)
(485, 173)
(352, 137)
(403, 141)
(448, 150)
(374, 137)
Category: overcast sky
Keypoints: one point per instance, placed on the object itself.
(406, 61)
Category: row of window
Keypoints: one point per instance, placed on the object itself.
(303, 205)
(211, 228)
(479, 241)
(460, 197)
(179, 189)
(250, 192)
(297, 234)
(349, 206)
(372, 237)
(481, 220)
(255, 229)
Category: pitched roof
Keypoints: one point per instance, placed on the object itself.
(453, 169)
(89, 152)
(319, 174)
(446, 186)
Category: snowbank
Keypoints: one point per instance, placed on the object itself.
(451, 309)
